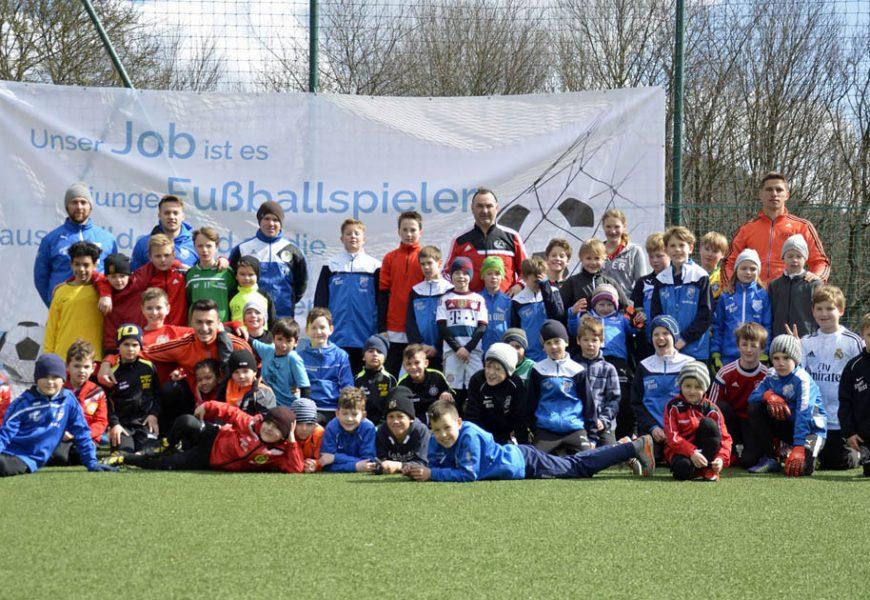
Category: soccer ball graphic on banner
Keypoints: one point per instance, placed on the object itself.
(19, 348)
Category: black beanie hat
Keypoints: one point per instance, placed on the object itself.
(553, 329)
(118, 264)
(400, 399)
(270, 207)
(241, 359)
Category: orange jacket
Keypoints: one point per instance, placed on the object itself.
(767, 238)
(311, 445)
(400, 271)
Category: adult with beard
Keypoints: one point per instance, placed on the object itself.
(52, 266)
(170, 222)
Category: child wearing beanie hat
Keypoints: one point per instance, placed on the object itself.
(791, 294)
(309, 433)
(745, 302)
(534, 304)
(516, 339)
(496, 397)
(132, 401)
(786, 405)
(402, 437)
(698, 443)
(36, 420)
(244, 443)
(373, 379)
(243, 389)
(499, 305)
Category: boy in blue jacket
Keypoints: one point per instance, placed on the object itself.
(461, 452)
(560, 407)
(35, 422)
(327, 365)
(787, 405)
(498, 304)
(683, 292)
(602, 384)
(348, 287)
(425, 297)
(349, 440)
(537, 302)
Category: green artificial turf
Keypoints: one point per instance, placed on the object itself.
(72, 534)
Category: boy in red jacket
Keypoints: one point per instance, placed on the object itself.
(244, 443)
(697, 441)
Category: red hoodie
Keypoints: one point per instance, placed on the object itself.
(400, 271)
(238, 446)
(127, 302)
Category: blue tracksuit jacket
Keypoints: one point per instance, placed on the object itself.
(748, 304)
(530, 309)
(184, 248)
(654, 385)
(34, 424)
(602, 387)
(52, 266)
(420, 325)
(686, 297)
(328, 371)
(803, 398)
(348, 287)
(281, 373)
(348, 448)
(283, 270)
(498, 308)
(475, 455)
(618, 332)
(557, 396)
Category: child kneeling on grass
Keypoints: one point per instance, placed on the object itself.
(35, 422)
(698, 443)
(349, 440)
(244, 443)
(461, 451)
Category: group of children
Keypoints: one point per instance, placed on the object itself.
(628, 360)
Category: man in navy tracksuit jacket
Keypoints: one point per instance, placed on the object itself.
(35, 422)
(283, 270)
(348, 287)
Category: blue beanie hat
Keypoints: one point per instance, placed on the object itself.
(462, 263)
(377, 342)
(669, 323)
(49, 365)
(305, 409)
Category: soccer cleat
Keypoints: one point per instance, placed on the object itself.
(643, 448)
(709, 475)
(115, 459)
(157, 449)
(766, 465)
(635, 467)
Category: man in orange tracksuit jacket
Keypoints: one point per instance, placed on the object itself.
(768, 231)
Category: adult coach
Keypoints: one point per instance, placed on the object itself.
(52, 266)
(487, 238)
(170, 221)
(283, 270)
(768, 231)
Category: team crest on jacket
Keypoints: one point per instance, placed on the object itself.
(433, 390)
(788, 390)
(757, 305)
(261, 459)
(500, 244)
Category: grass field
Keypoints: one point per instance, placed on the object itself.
(72, 534)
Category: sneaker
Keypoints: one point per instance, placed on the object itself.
(115, 459)
(643, 447)
(156, 449)
(766, 465)
(634, 466)
(709, 475)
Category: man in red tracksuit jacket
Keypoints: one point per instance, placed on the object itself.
(244, 443)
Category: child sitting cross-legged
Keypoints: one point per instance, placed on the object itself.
(461, 451)
(349, 440)
(698, 443)
(243, 443)
(309, 433)
(35, 422)
(497, 397)
(402, 438)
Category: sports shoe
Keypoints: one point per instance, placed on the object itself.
(115, 459)
(766, 465)
(643, 447)
(709, 475)
(157, 449)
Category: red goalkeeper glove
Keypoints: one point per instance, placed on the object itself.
(776, 406)
(796, 462)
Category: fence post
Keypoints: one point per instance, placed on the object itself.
(107, 44)
(313, 33)
(677, 154)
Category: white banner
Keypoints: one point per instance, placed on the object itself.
(556, 161)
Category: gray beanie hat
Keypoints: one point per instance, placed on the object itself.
(78, 190)
(787, 344)
(305, 409)
(505, 355)
(515, 334)
(796, 242)
(695, 370)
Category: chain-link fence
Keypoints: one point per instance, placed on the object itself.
(769, 84)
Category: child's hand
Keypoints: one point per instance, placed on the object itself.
(599, 424)
(309, 465)
(810, 276)
(447, 396)
(699, 461)
(542, 277)
(417, 472)
(115, 435)
(854, 441)
(463, 354)
(515, 289)
(199, 412)
(105, 375)
(579, 306)
(178, 374)
(391, 466)
(716, 465)
(295, 392)
(792, 330)
(105, 305)
(365, 466)
(222, 263)
(658, 434)
(151, 424)
(430, 351)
